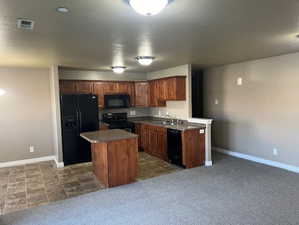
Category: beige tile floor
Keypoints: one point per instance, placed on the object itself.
(38, 184)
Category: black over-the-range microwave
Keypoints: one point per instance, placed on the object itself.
(117, 101)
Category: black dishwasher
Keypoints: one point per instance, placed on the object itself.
(174, 147)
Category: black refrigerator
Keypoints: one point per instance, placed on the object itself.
(79, 113)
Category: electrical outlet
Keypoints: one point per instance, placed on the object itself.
(31, 149)
(275, 151)
(132, 113)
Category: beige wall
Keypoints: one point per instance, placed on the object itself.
(260, 115)
(179, 109)
(25, 115)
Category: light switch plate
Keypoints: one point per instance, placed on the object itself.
(240, 81)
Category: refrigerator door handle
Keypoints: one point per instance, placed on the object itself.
(80, 121)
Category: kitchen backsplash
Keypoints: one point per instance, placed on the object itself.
(132, 112)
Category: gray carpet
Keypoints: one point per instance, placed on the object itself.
(233, 191)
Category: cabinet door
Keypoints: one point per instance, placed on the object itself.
(138, 132)
(162, 143)
(193, 142)
(141, 94)
(127, 88)
(176, 88)
(84, 87)
(155, 97)
(110, 88)
(152, 92)
(123, 88)
(98, 89)
(162, 90)
(144, 137)
(67, 87)
(152, 141)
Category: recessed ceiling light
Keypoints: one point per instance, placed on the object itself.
(62, 10)
(118, 69)
(145, 60)
(2, 92)
(148, 7)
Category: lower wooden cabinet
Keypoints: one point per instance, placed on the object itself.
(193, 142)
(154, 140)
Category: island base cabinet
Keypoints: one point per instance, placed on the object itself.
(116, 163)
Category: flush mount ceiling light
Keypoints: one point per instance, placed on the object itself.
(118, 69)
(2, 92)
(145, 60)
(62, 10)
(148, 7)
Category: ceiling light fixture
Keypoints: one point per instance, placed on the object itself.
(148, 7)
(145, 60)
(2, 92)
(118, 69)
(62, 10)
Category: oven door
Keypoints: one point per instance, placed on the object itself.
(117, 101)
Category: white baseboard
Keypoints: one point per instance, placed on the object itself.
(26, 161)
(59, 164)
(258, 160)
(208, 163)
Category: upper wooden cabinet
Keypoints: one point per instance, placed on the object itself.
(75, 87)
(99, 89)
(176, 88)
(157, 98)
(142, 94)
(152, 93)
(84, 87)
(67, 87)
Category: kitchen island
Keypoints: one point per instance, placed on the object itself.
(114, 156)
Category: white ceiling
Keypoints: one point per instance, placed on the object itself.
(99, 33)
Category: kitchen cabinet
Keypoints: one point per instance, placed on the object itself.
(144, 137)
(75, 87)
(67, 87)
(152, 93)
(98, 89)
(156, 97)
(154, 140)
(102, 88)
(84, 87)
(127, 88)
(176, 88)
(142, 94)
(138, 132)
(193, 142)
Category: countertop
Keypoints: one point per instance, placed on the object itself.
(158, 122)
(107, 135)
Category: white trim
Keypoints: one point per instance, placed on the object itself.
(202, 121)
(258, 160)
(59, 164)
(26, 161)
(208, 163)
